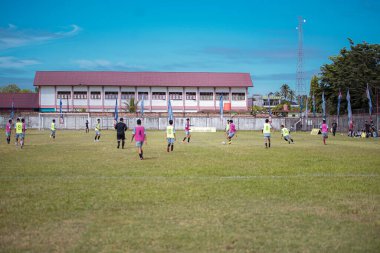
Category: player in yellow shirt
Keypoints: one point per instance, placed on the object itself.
(170, 136)
(266, 132)
(285, 133)
(19, 135)
(97, 130)
(52, 129)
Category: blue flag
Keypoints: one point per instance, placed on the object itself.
(369, 101)
(60, 111)
(142, 106)
(314, 109)
(221, 106)
(339, 99)
(269, 110)
(116, 112)
(349, 107)
(13, 110)
(170, 110)
(323, 105)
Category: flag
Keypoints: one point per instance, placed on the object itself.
(116, 112)
(170, 111)
(314, 109)
(369, 101)
(301, 103)
(60, 111)
(269, 110)
(306, 109)
(349, 107)
(13, 110)
(323, 105)
(142, 107)
(339, 99)
(221, 106)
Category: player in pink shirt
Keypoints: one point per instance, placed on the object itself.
(8, 131)
(187, 131)
(231, 132)
(325, 131)
(140, 137)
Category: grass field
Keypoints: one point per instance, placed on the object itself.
(74, 195)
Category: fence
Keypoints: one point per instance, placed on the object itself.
(77, 121)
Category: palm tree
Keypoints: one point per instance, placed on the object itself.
(284, 90)
(291, 95)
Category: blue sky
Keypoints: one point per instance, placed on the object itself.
(258, 37)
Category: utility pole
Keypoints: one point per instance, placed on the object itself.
(300, 82)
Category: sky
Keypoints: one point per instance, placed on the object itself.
(256, 37)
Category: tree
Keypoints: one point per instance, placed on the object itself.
(11, 88)
(292, 95)
(284, 91)
(352, 69)
(131, 106)
(317, 92)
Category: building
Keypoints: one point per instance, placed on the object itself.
(98, 91)
(19, 102)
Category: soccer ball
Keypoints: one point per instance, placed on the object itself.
(223, 142)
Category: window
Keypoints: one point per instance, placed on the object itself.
(175, 95)
(80, 95)
(95, 95)
(226, 95)
(111, 95)
(64, 94)
(191, 96)
(128, 95)
(143, 95)
(238, 96)
(206, 96)
(159, 96)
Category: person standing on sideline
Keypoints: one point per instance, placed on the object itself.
(8, 131)
(139, 135)
(121, 128)
(97, 130)
(334, 127)
(23, 131)
(266, 132)
(170, 136)
(231, 132)
(325, 131)
(227, 129)
(286, 134)
(367, 128)
(187, 131)
(351, 129)
(87, 129)
(52, 129)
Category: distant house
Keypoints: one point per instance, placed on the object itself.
(19, 101)
(98, 91)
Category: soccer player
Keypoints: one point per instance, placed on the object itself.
(8, 131)
(227, 129)
(325, 131)
(170, 136)
(231, 131)
(286, 134)
(97, 130)
(121, 128)
(87, 129)
(139, 135)
(187, 131)
(334, 127)
(266, 132)
(52, 129)
(18, 132)
(23, 131)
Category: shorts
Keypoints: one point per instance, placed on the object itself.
(325, 135)
(139, 144)
(120, 137)
(267, 135)
(7, 134)
(170, 140)
(187, 132)
(230, 135)
(97, 132)
(18, 136)
(52, 132)
(23, 135)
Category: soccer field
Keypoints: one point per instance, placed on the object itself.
(75, 195)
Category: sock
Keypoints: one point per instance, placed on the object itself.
(266, 144)
(140, 155)
(172, 147)
(168, 147)
(188, 139)
(122, 144)
(118, 144)
(96, 137)
(291, 140)
(269, 144)
(184, 139)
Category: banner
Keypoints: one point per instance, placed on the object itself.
(170, 110)
(142, 106)
(349, 107)
(323, 105)
(369, 101)
(221, 106)
(61, 120)
(116, 112)
(314, 109)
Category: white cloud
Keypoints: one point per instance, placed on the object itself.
(10, 62)
(101, 64)
(12, 36)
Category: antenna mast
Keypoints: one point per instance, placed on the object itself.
(300, 82)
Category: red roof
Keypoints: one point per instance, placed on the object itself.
(114, 78)
(20, 100)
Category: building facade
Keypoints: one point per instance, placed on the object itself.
(98, 91)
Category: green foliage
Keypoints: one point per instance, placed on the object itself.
(353, 68)
(13, 88)
(132, 105)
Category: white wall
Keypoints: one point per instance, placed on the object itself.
(95, 102)
(47, 96)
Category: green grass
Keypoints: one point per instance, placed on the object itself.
(74, 195)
